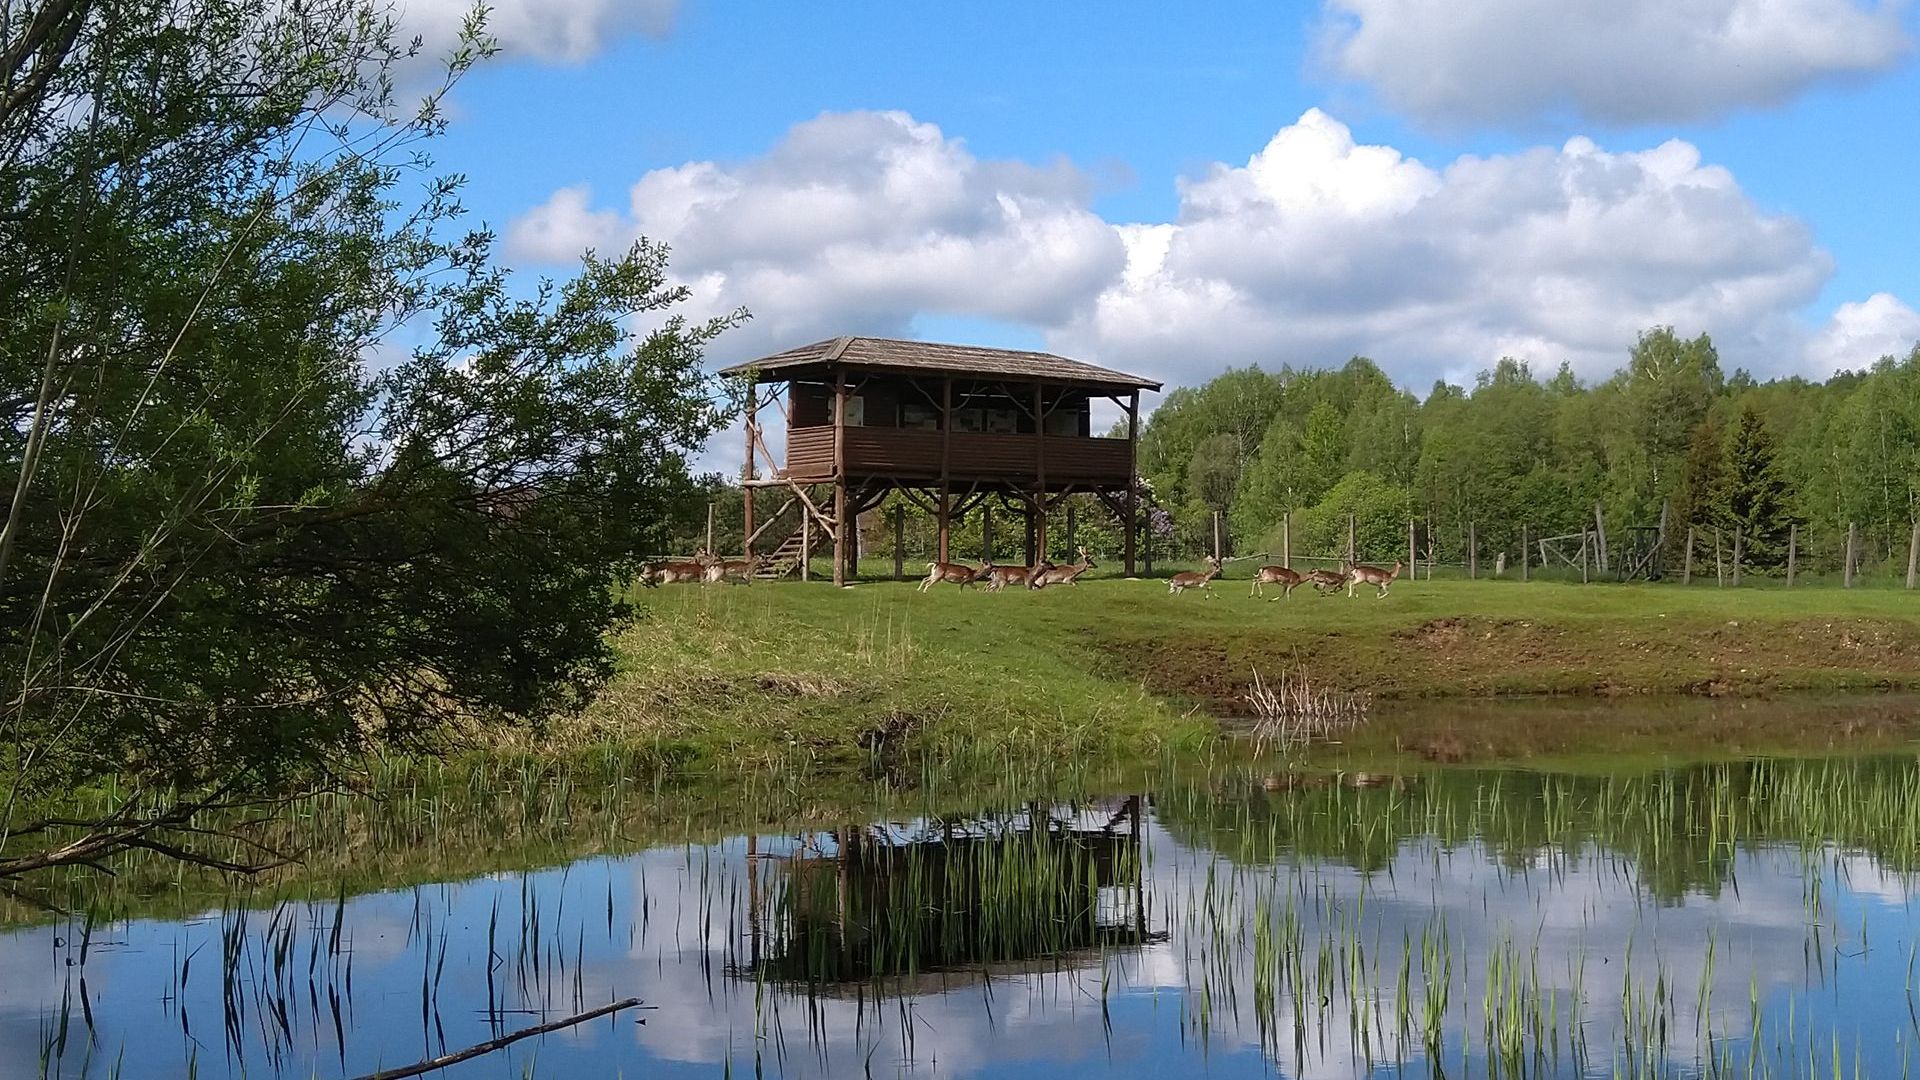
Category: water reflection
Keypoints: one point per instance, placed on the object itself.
(1748, 919)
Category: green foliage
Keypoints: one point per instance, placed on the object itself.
(252, 529)
(1380, 510)
(1755, 497)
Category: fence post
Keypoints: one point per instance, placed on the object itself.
(1739, 538)
(899, 543)
(1793, 552)
(1584, 537)
(1719, 567)
(710, 550)
(1351, 553)
(1847, 571)
(1413, 559)
(1218, 554)
(1286, 539)
(1525, 559)
(1913, 557)
(1473, 552)
(806, 546)
(986, 532)
(1686, 561)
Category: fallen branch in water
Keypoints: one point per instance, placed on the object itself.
(491, 1045)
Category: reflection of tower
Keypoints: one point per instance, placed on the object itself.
(962, 898)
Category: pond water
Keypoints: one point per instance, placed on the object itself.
(1745, 919)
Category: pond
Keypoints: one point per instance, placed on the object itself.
(1740, 918)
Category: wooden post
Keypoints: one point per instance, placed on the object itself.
(1351, 546)
(946, 454)
(1600, 538)
(1218, 554)
(986, 531)
(1286, 538)
(1739, 540)
(899, 543)
(840, 477)
(746, 474)
(1132, 526)
(1526, 557)
(1413, 556)
(1037, 529)
(806, 545)
(1913, 557)
(1719, 567)
(1473, 551)
(1793, 552)
(1686, 561)
(710, 550)
(1584, 537)
(1847, 571)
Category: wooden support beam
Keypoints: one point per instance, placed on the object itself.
(1131, 526)
(1037, 542)
(746, 473)
(840, 477)
(946, 455)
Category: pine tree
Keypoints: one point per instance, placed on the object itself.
(1755, 499)
(1698, 496)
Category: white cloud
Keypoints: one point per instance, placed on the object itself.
(855, 222)
(1320, 248)
(565, 31)
(1316, 248)
(1862, 332)
(1610, 61)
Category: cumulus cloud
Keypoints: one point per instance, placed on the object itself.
(1319, 248)
(854, 223)
(566, 31)
(1610, 61)
(1316, 248)
(1862, 332)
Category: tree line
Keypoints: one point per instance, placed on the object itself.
(1669, 432)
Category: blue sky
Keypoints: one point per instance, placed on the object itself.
(978, 172)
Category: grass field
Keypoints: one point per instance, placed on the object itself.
(786, 670)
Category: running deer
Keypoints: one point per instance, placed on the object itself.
(959, 573)
(1194, 579)
(999, 577)
(654, 575)
(1326, 581)
(1062, 575)
(1374, 576)
(1283, 576)
(721, 569)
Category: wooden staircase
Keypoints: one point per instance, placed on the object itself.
(783, 561)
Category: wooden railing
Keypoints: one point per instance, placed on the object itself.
(913, 453)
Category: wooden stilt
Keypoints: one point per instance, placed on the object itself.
(840, 514)
(1132, 527)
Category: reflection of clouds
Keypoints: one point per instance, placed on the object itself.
(679, 925)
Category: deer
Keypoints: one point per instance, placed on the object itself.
(959, 573)
(999, 577)
(654, 575)
(1061, 575)
(1326, 581)
(1194, 579)
(721, 569)
(1374, 576)
(1284, 576)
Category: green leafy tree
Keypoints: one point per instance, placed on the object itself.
(249, 533)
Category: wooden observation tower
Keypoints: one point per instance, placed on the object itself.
(945, 425)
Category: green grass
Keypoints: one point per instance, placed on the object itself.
(790, 670)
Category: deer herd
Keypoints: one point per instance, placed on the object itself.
(709, 570)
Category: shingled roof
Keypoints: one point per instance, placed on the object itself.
(898, 355)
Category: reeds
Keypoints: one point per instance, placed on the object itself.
(1294, 711)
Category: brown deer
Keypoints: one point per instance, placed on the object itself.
(1062, 575)
(720, 570)
(958, 573)
(1374, 576)
(1283, 576)
(654, 575)
(1326, 581)
(1194, 579)
(999, 577)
